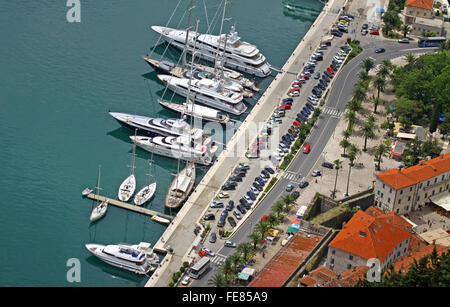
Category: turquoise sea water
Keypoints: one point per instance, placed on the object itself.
(57, 82)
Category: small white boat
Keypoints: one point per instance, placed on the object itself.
(160, 219)
(145, 194)
(127, 188)
(99, 211)
(86, 192)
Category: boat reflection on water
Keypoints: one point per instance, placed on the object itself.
(307, 10)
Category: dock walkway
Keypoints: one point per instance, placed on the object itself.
(127, 206)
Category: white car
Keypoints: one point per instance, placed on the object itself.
(223, 195)
(248, 199)
(338, 59)
(254, 190)
(294, 94)
(186, 280)
(209, 252)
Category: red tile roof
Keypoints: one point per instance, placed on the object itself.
(277, 271)
(423, 4)
(324, 277)
(404, 263)
(425, 170)
(369, 237)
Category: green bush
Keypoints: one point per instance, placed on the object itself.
(182, 269)
(185, 264)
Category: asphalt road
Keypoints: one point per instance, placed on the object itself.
(338, 96)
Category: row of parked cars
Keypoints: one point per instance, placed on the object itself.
(342, 25)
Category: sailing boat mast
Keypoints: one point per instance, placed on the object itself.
(191, 7)
(220, 34)
(98, 182)
(133, 154)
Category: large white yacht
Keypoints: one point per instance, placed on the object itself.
(239, 55)
(157, 126)
(181, 147)
(207, 92)
(139, 259)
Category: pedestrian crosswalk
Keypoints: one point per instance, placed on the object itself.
(333, 112)
(218, 259)
(292, 176)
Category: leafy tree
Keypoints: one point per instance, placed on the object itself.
(218, 280)
(367, 64)
(367, 132)
(254, 238)
(405, 29)
(350, 116)
(337, 165)
(262, 229)
(379, 83)
(345, 144)
(376, 102)
(289, 201)
(246, 250)
(277, 208)
(353, 153)
(347, 133)
(382, 150)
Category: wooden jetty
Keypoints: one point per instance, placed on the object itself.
(127, 206)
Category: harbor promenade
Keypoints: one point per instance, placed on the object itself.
(179, 237)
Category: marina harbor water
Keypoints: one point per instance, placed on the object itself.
(56, 129)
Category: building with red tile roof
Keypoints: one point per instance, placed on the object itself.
(324, 277)
(366, 237)
(419, 15)
(422, 4)
(405, 190)
(403, 264)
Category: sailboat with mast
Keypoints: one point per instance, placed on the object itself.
(100, 209)
(128, 186)
(147, 192)
(181, 186)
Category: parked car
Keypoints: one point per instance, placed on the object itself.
(209, 217)
(236, 178)
(403, 40)
(208, 252)
(317, 75)
(254, 190)
(237, 214)
(269, 169)
(295, 194)
(258, 186)
(216, 204)
(212, 238)
(241, 209)
(223, 195)
(289, 187)
(303, 184)
(251, 195)
(230, 244)
(364, 32)
(230, 206)
(380, 50)
(221, 222)
(186, 280)
(231, 220)
(316, 173)
(374, 32)
(327, 165)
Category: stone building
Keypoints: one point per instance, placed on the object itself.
(420, 16)
(368, 235)
(404, 190)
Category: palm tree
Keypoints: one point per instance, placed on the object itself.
(345, 144)
(379, 83)
(405, 29)
(383, 71)
(376, 102)
(354, 105)
(359, 92)
(410, 59)
(380, 151)
(350, 116)
(347, 133)
(337, 166)
(246, 250)
(388, 64)
(272, 220)
(387, 27)
(367, 64)
(226, 267)
(236, 261)
(288, 200)
(218, 280)
(367, 131)
(254, 238)
(353, 152)
(262, 228)
(364, 76)
(277, 208)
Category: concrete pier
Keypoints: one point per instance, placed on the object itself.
(127, 206)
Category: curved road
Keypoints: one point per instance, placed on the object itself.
(339, 94)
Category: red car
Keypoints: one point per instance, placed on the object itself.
(296, 124)
(374, 32)
(306, 77)
(202, 253)
(285, 107)
(330, 70)
(307, 148)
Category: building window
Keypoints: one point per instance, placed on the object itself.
(390, 190)
(409, 198)
(401, 192)
(350, 257)
(418, 197)
(404, 251)
(435, 180)
(407, 208)
(440, 189)
(384, 185)
(333, 252)
(428, 182)
(389, 199)
(432, 193)
(426, 195)
(398, 254)
(349, 266)
(397, 210)
(332, 261)
(420, 186)
(443, 176)
(382, 195)
(378, 192)
(410, 189)
(399, 201)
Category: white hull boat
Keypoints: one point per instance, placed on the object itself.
(99, 211)
(127, 188)
(139, 259)
(181, 187)
(159, 219)
(145, 194)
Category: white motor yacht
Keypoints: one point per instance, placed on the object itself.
(207, 92)
(238, 55)
(139, 259)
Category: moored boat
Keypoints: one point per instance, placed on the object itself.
(99, 211)
(86, 192)
(181, 187)
(145, 194)
(160, 219)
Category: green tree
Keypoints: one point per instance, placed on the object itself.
(353, 153)
(289, 201)
(254, 239)
(380, 151)
(347, 133)
(277, 208)
(379, 83)
(405, 29)
(246, 250)
(367, 131)
(337, 165)
(262, 229)
(350, 116)
(367, 64)
(344, 144)
(376, 102)
(218, 280)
